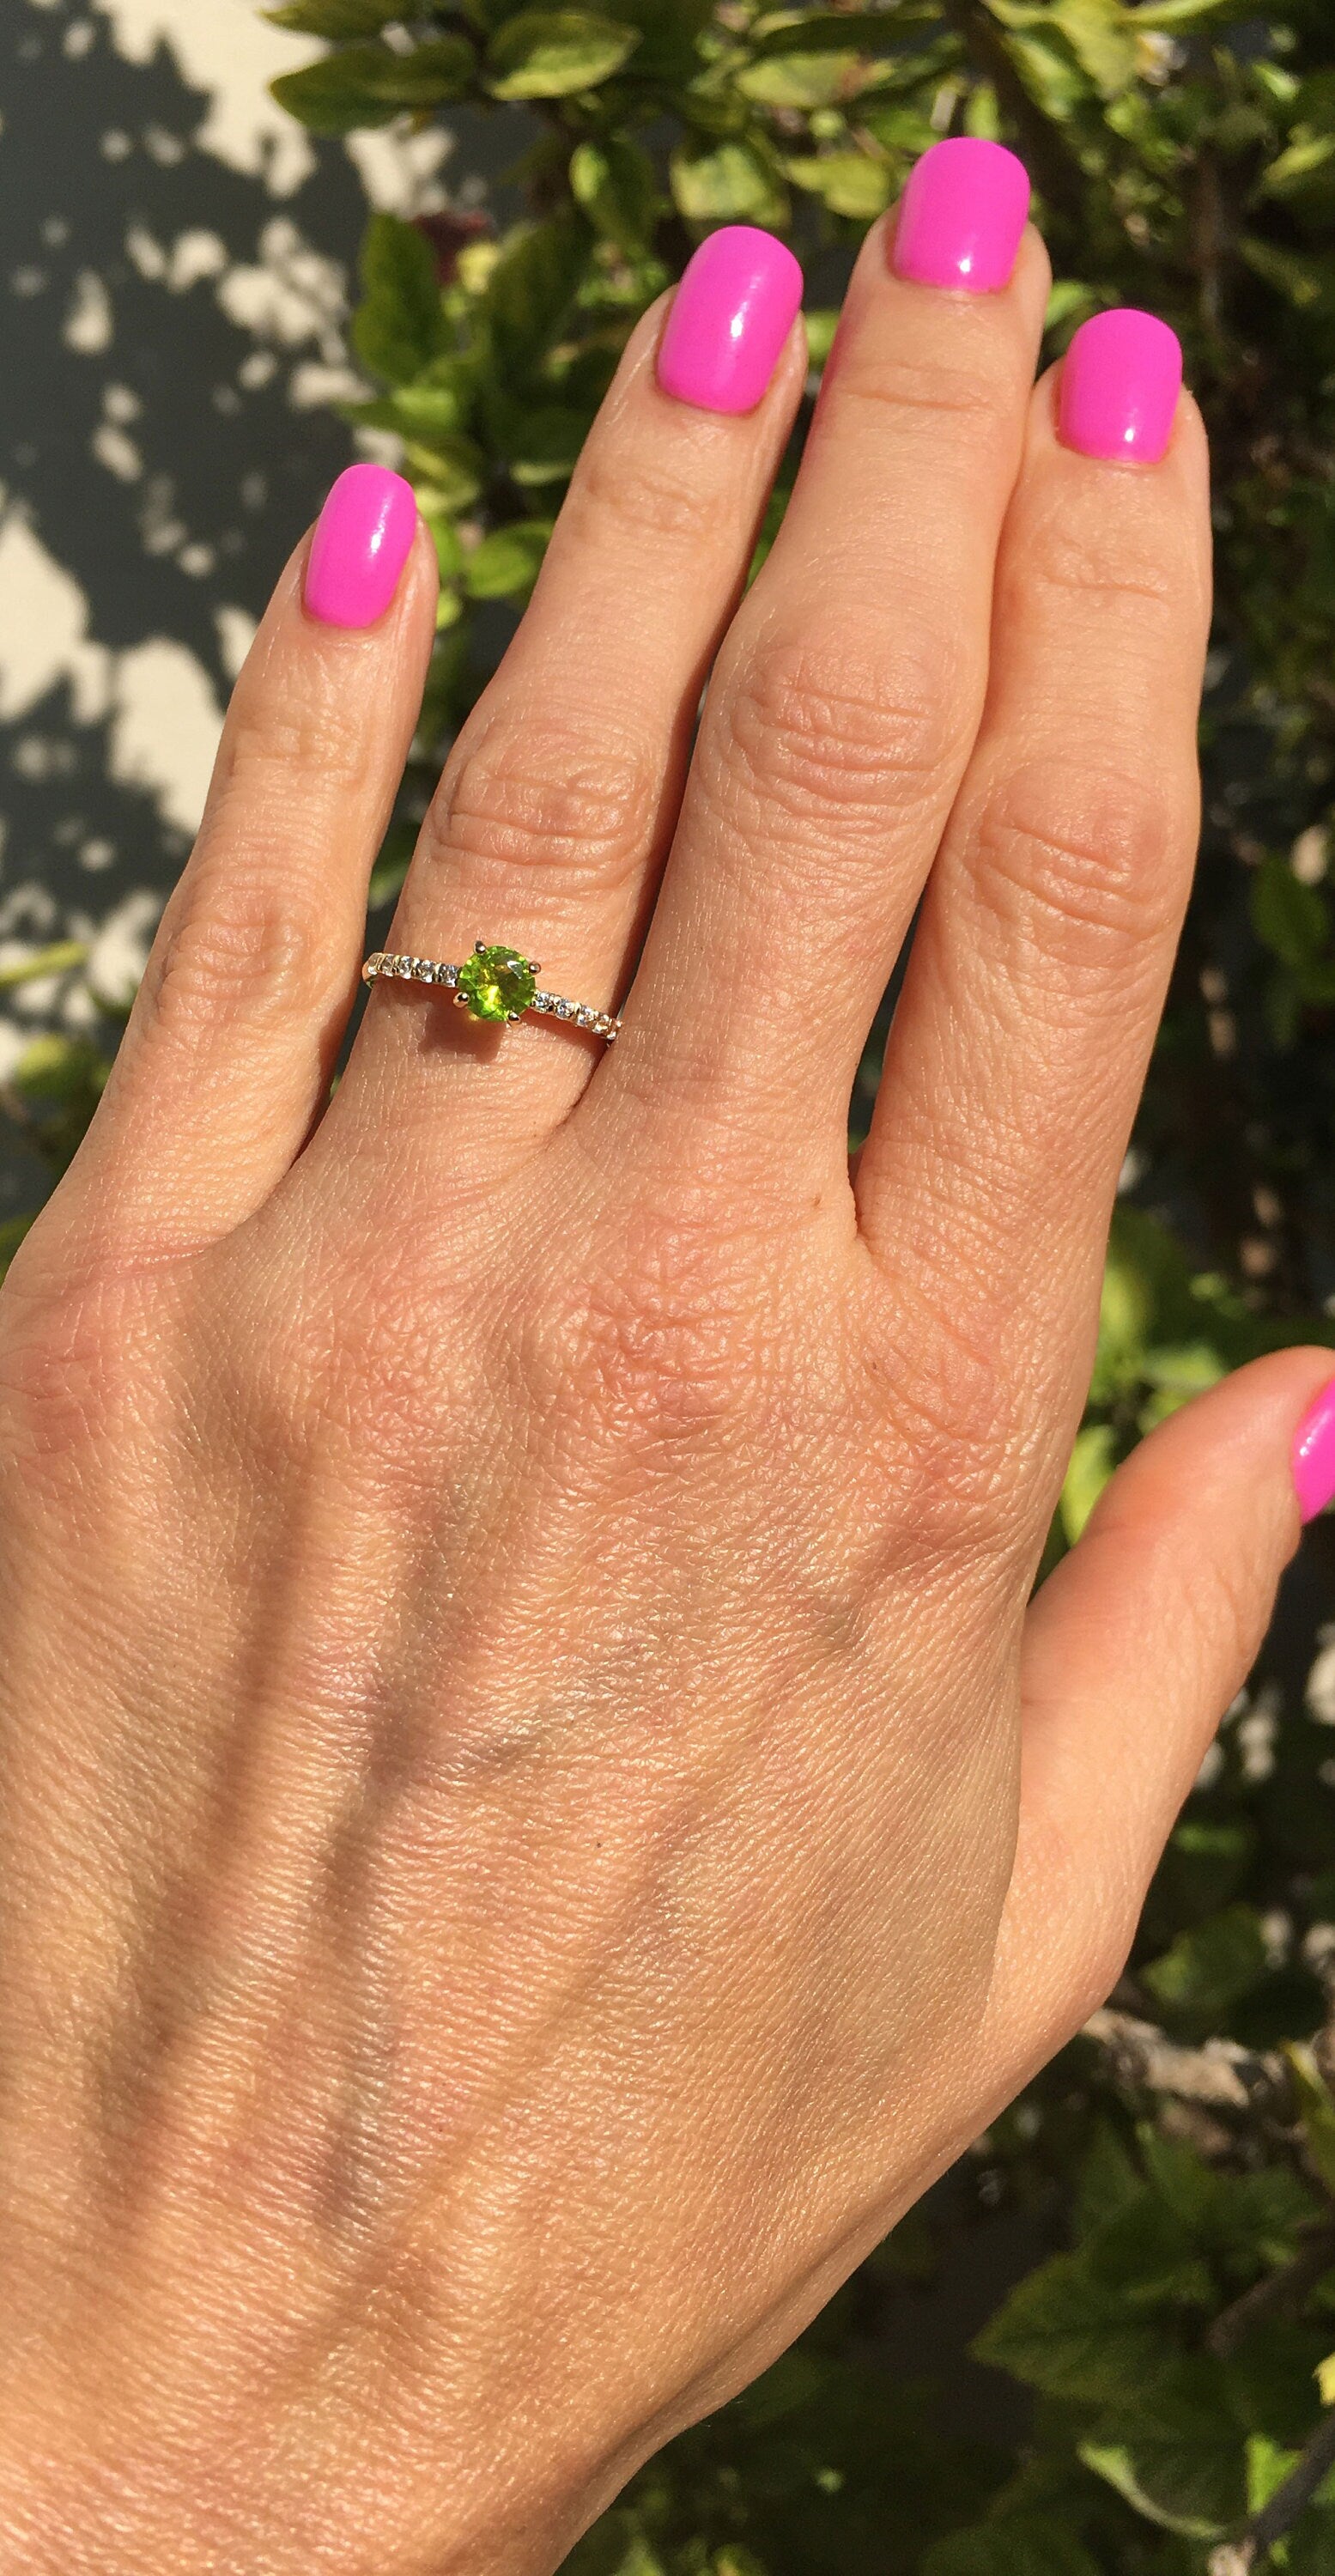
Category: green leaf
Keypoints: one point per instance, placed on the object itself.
(1092, 1462)
(507, 563)
(727, 183)
(1307, 157)
(790, 2382)
(451, 472)
(531, 289)
(369, 85)
(1190, 13)
(1184, 1369)
(1291, 918)
(1126, 1305)
(54, 1069)
(1013, 2545)
(1054, 78)
(552, 53)
(614, 182)
(544, 445)
(803, 80)
(398, 327)
(1069, 302)
(797, 31)
(1145, 2252)
(822, 321)
(850, 183)
(59, 959)
(1211, 1967)
(444, 536)
(1102, 37)
(337, 20)
(1107, 2181)
(435, 404)
(1180, 2462)
(1272, 2381)
(1065, 2332)
(1304, 279)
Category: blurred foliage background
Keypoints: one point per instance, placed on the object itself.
(1172, 2347)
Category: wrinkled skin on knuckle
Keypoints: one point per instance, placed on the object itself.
(80, 1374)
(948, 1428)
(660, 1338)
(1127, 563)
(1085, 868)
(968, 403)
(632, 493)
(296, 729)
(818, 730)
(238, 944)
(542, 795)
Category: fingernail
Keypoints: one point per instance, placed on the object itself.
(1120, 385)
(361, 543)
(962, 216)
(1314, 1455)
(730, 318)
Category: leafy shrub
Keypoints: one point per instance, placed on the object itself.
(1181, 2155)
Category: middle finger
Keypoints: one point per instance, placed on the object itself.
(846, 700)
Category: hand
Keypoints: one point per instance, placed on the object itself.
(538, 1815)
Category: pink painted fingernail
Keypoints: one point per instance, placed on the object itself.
(1314, 1455)
(962, 215)
(1120, 385)
(361, 543)
(732, 313)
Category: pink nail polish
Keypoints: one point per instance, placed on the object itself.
(1120, 385)
(1314, 1455)
(360, 546)
(732, 313)
(962, 215)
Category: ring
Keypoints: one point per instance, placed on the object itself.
(494, 984)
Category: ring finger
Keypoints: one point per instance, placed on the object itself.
(552, 815)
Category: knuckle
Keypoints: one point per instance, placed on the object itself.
(653, 1343)
(922, 389)
(533, 795)
(642, 497)
(819, 725)
(1101, 557)
(1083, 863)
(949, 1433)
(70, 1380)
(302, 734)
(234, 947)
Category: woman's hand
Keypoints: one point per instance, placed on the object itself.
(538, 1816)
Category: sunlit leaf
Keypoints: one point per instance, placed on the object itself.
(550, 53)
(369, 85)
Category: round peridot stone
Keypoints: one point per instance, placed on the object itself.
(496, 983)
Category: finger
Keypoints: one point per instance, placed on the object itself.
(1046, 937)
(1133, 1650)
(551, 818)
(228, 1053)
(844, 705)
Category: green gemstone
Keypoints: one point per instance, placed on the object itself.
(496, 983)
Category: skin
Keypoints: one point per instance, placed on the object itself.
(538, 1813)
